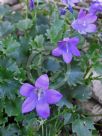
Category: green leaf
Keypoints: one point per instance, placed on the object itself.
(41, 29)
(74, 75)
(14, 18)
(1, 46)
(3, 119)
(42, 24)
(16, 50)
(67, 118)
(24, 24)
(9, 89)
(82, 127)
(36, 61)
(13, 67)
(56, 31)
(5, 74)
(51, 64)
(82, 93)
(12, 107)
(4, 10)
(11, 130)
(5, 28)
(12, 46)
(39, 40)
(95, 133)
(31, 123)
(98, 68)
(64, 102)
(8, 66)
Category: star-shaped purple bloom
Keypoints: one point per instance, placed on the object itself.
(67, 48)
(39, 96)
(31, 4)
(95, 7)
(84, 23)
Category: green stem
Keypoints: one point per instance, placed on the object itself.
(93, 115)
(42, 130)
(88, 72)
(56, 116)
(27, 9)
(97, 77)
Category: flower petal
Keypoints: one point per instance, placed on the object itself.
(29, 104)
(61, 44)
(56, 52)
(42, 82)
(96, 7)
(82, 13)
(91, 28)
(78, 25)
(65, 2)
(43, 109)
(65, 40)
(31, 4)
(73, 41)
(67, 57)
(90, 18)
(52, 96)
(75, 25)
(74, 50)
(26, 89)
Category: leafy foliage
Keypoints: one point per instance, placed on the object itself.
(82, 127)
(74, 75)
(27, 39)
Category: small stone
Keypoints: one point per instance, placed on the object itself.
(9, 2)
(92, 108)
(97, 89)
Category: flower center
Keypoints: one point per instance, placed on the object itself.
(67, 48)
(40, 93)
(84, 24)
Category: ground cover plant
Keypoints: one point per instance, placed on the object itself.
(48, 52)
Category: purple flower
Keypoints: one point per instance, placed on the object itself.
(70, 9)
(70, 2)
(31, 4)
(84, 23)
(67, 48)
(62, 11)
(95, 7)
(39, 96)
(97, 1)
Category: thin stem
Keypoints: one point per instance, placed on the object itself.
(42, 130)
(93, 115)
(37, 4)
(61, 125)
(88, 72)
(27, 9)
(46, 131)
(56, 116)
(97, 77)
